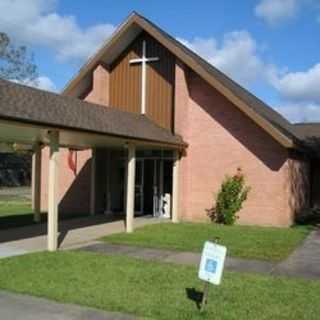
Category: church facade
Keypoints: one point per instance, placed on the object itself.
(143, 71)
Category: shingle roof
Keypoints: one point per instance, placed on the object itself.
(309, 135)
(307, 130)
(26, 104)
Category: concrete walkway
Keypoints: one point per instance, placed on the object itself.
(22, 307)
(304, 262)
(72, 233)
(182, 258)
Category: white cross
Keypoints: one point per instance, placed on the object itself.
(143, 62)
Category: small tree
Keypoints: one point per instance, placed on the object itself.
(16, 64)
(232, 194)
(15, 61)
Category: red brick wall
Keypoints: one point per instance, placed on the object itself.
(221, 139)
(74, 190)
(100, 86)
(181, 127)
(298, 184)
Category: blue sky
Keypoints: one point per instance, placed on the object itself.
(270, 46)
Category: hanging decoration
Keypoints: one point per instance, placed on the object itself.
(72, 161)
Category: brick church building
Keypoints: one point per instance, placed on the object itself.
(147, 127)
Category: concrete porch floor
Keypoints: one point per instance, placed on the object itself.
(72, 233)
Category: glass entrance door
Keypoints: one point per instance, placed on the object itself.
(151, 187)
(139, 187)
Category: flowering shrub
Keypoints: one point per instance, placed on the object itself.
(232, 194)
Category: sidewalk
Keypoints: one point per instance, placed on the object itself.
(304, 262)
(183, 258)
(73, 232)
(16, 307)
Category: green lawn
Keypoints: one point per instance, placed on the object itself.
(242, 241)
(15, 207)
(16, 211)
(154, 290)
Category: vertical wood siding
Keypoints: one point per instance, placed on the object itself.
(125, 82)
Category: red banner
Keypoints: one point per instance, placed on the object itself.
(72, 161)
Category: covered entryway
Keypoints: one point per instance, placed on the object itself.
(45, 120)
(104, 195)
(153, 182)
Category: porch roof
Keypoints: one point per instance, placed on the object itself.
(29, 105)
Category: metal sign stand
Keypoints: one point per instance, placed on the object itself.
(206, 286)
(204, 296)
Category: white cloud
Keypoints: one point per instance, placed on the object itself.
(41, 82)
(44, 83)
(300, 86)
(35, 22)
(300, 112)
(300, 94)
(276, 11)
(237, 55)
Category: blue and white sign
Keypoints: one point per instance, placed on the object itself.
(212, 262)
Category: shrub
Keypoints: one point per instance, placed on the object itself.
(229, 200)
(309, 216)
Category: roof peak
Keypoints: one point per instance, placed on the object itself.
(266, 117)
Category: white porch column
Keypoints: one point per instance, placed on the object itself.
(36, 183)
(53, 191)
(175, 187)
(131, 173)
(93, 182)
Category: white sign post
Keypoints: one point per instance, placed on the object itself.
(211, 266)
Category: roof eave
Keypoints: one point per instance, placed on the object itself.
(138, 140)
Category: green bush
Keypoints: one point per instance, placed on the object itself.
(308, 216)
(232, 194)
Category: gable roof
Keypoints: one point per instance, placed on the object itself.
(263, 115)
(38, 107)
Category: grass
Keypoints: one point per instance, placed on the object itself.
(15, 207)
(154, 290)
(16, 211)
(249, 242)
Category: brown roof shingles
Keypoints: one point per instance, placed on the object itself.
(307, 130)
(26, 104)
(309, 135)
